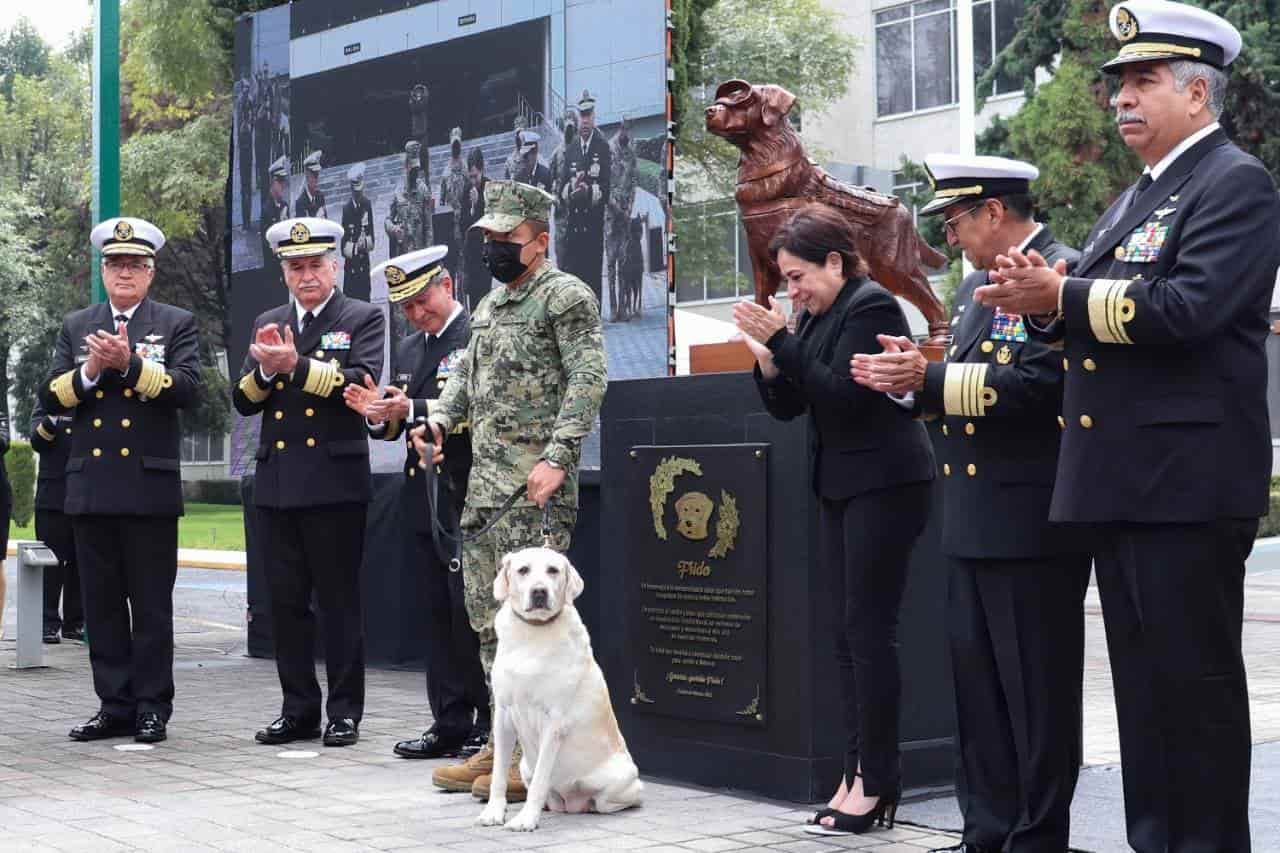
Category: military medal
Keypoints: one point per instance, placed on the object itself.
(1008, 327)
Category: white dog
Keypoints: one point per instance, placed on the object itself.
(549, 692)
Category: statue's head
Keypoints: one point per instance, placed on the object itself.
(742, 111)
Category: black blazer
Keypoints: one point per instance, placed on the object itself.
(998, 462)
(51, 438)
(126, 437)
(6, 494)
(415, 368)
(313, 450)
(1164, 333)
(859, 439)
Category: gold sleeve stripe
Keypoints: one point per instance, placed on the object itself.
(250, 388)
(965, 392)
(322, 378)
(64, 388)
(151, 381)
(44, 433)
(1109, 310)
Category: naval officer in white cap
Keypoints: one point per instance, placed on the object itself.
(122, 371)
(1166, 451)
(1015, 600)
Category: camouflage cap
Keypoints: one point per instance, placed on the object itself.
(508, 203)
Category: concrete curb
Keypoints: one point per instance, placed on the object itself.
(191, 558)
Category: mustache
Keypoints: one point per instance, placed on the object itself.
(1125, 116)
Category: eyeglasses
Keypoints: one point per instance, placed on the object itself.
(131, 266)
(948, 225)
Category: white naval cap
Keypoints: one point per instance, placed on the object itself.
(1156, 30)
(313, 161)
(303, 236)
(410, 273)
(356, 176)
(956, 177)
(528, 140)
(125, 235)
(280, 168)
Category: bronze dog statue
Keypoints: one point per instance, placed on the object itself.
(776, 178)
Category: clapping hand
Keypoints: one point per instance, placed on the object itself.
(275, 354)
(899, 369)
(108, 350)
(359, 398)
(392, 406)
(1023, 284)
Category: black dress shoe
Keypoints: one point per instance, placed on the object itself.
(102, 725)
(477, 740)
(430, 745)
(287, 730)
(150, 728)
(51, 638)
(341, 732)
(74, 634)
(962, 847)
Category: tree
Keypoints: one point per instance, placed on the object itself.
(23, 52)
(689, 39)
(798, 44)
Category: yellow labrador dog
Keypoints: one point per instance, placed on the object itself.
(549, 692)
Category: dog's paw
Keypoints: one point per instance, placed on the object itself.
(493, 815)
(525, 821)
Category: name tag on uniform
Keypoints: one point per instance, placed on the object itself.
(1143, 245)
(1008, 327)
(335, 340)
(403, 377)
(150, 351)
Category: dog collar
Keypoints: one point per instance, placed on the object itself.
(516, 613)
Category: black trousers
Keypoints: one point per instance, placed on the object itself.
(1173, 604)
(584, 254)
(456, 688)
(316, 549)
(866, 543)
(62, 606)
(1017, 656)
(128, 565)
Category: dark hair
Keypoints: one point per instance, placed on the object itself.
(538, 226)
(475, 159)
(1019, 204)
(816, 231)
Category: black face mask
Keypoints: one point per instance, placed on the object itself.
(503, 260)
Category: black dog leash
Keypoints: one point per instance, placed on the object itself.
(439, 533)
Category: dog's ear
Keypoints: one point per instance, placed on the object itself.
(775, 102)
(500, 586)
(575, 584)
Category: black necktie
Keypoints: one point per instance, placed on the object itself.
(121, 318)
(431, 340)
(1144, 183)
(306, 321)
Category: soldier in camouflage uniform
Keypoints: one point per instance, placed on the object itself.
(512, 165)
(530, 385)
(557, 168)
(617, 216)
(453, 192)
(408, 224)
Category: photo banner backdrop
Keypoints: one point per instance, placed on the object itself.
(389, 118)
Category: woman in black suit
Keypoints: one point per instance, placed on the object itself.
(872, 468)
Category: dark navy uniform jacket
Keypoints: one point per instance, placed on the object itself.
(126, 437)
(313, 450)
(420, 370)
(51, 438)
(1164, 328)
(999, 394)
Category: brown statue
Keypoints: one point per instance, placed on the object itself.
(776, 178)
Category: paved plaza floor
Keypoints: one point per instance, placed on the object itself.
(211, 788)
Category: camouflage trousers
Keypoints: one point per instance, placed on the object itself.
(519, 528)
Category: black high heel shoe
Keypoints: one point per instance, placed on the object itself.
(823, 812)
(883, 814)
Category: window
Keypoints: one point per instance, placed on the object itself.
(906, 190)
(711, 258)
(991, 32)
(916, 56)
(202, 448)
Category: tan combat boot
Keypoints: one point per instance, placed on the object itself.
(515, 785)
(460, 777)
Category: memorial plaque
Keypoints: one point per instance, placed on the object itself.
(696, 516)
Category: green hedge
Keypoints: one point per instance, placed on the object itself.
(1270, 525)
(20, 462)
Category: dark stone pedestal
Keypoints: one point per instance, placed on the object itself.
(796, 754)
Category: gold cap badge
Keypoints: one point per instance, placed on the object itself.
(395, 276)
(299, 233)
(1126, 25)
(123, 231)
